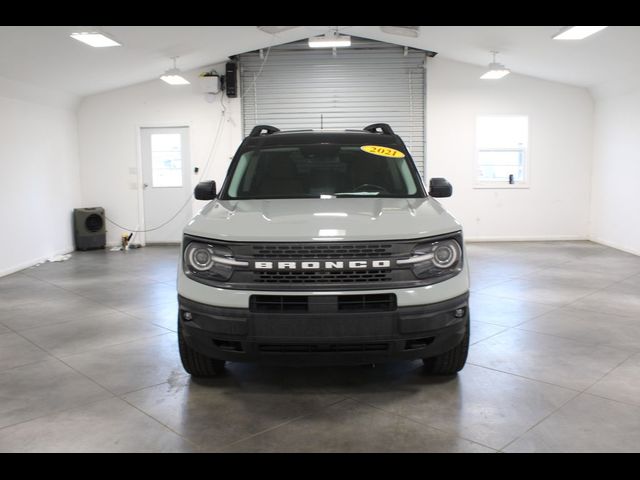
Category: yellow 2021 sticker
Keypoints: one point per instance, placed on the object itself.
(382, 151)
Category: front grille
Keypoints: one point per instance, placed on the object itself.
(323, 276)
(323, 348)
(299, 278)
(323, 303)
(320, 251)
(367, 303)
(279, 304)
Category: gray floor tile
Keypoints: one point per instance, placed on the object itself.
(42, 388)
(132, 365)
(480, 279)
(49, 312)
(585, 424)
(556, 360)
(32, 291)
(634, 280)
(504, 311)
(610, 262)
(217, 412)
(584, 279)
(347, 427)
(589, 327)
(482, 330)
(489, 407)
(538, 291)
(131, 296)
(622, 384)
(106, 426)
(515, 284)
(16, 351)
(620, 299)
(90, 333)
(164, 315)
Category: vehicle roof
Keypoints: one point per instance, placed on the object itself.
(309, 137)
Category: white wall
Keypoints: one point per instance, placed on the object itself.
(615, 201)
(560, 118)
(556, 206)
(39, 179)
(109, 129)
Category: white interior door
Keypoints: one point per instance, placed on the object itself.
(166, 169)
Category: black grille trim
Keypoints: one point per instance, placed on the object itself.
(322, 251)
(322, 348)
(274, 304)
(323, 276)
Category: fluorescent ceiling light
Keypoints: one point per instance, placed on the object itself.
(174, 79)
(404, 31)
(95, 39)
(576, 33)
(496, 70)
(330, 40)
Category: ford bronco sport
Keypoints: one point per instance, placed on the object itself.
(323, 248)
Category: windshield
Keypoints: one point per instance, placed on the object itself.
(315, 171)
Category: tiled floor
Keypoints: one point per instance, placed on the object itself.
(88, 362)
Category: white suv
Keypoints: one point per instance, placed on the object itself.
(323, 248)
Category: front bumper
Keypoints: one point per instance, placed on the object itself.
(406, 333)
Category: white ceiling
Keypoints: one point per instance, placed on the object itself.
(45, 56)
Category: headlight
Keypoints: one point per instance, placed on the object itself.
(200, 257)
(208, 261)
(436, 259)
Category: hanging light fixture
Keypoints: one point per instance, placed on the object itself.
(496, 70)
(173, 77)
(331, 39)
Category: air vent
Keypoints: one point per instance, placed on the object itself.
(367, 303)
(323, 348)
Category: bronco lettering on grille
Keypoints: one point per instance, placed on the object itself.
(322, 265)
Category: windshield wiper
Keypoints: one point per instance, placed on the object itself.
(344, 194)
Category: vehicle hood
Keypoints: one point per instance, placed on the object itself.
(320, 220)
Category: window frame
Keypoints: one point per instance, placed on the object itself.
(494, 184)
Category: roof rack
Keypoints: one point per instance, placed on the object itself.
(379, 128)
(258, 129)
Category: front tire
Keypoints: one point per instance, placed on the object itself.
(451, 362)
(196, 364)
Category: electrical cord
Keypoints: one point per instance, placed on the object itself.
(188, 200)
(255, 78)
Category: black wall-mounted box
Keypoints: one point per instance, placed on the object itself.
(231, 79)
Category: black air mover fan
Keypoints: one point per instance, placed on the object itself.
(89, 228)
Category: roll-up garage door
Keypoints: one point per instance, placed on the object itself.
(296, 87)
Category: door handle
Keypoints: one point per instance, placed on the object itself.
(145, 185)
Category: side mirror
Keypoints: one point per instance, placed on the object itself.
(205, 190)
(439, 188)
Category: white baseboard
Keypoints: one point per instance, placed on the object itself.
(547, 238)
(607, 243)
(31, 263)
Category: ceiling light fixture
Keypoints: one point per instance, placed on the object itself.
(275, 30)
(173, 77)
(403, 31)
(576, 33)
(332, 39)
(95, 39)
(496, 70)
